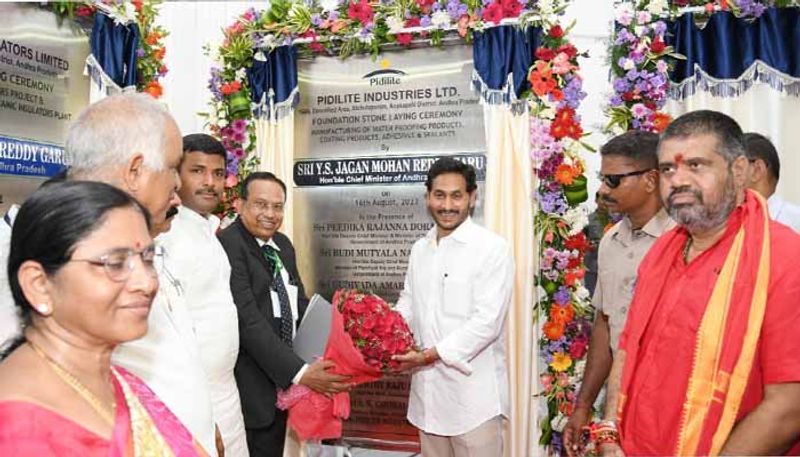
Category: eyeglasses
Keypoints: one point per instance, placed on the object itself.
(613, 181)
(263, 207)
(119, 263)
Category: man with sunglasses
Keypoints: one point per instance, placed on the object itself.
(629, 186)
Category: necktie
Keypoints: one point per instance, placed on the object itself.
(283, 296)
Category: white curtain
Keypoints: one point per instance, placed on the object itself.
(764, 110)
(508, 211)
(275, 151)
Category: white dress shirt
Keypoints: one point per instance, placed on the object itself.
(291, 290)
(168, 360)
(195, 255)
(784, 212)
(456, 298)
(10, 325)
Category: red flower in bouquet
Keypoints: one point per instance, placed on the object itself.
(657, 46)
(361, 11)
(365, 333)
(545, 53)
(661, 121)
(493, 13)
(556, 31)
(579, 242)
(511, 8)
(377, 331)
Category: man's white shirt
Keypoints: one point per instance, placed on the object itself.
(784, 212)
(168, 360)
(195, 255)
(456, 298)
(291, 290)
(10, 325)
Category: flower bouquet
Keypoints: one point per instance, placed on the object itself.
(365, 333)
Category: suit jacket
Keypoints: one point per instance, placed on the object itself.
(265, 362)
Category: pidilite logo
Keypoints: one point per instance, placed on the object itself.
(385, 76)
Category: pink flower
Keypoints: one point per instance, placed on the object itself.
(639, 110)
(561, 64)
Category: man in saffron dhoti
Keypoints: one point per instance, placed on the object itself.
(709, 361)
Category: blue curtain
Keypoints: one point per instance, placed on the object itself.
(114, 48)
(273, 81)
(727, 46)
(500, 51)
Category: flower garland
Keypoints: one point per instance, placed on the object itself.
(326, 27)
(564, 306)
(150, 65)
(640, 60)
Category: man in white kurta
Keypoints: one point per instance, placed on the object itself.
(763, 176)
(196, 256)
(456, 298)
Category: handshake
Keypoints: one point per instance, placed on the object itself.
(367, 339)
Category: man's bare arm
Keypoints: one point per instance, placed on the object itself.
(772, 427)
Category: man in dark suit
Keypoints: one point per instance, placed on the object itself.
(270, 297)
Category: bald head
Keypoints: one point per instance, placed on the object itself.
(131, 142)
(108, 133)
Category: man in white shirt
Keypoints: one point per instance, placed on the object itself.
(456, 298)
(9, 320)
(765, 171)
(131, 142)
(196, 256)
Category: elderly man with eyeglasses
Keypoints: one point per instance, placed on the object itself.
(270, 299)
(629, 186)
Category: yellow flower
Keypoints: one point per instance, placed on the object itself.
(561, 361)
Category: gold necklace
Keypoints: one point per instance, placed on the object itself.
(104, 411)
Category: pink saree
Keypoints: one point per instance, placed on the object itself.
(143, 426)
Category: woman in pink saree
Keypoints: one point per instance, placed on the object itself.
(82, 272)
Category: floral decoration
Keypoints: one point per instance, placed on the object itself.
(640, 59)
(336, 26)
(150, 67)
(564, 306)
(377, 331)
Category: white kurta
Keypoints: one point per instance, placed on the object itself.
(10, 324)
(784, 212)
(167, 359)
(456, 298)
(196, 256)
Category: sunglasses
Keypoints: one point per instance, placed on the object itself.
(613, 181)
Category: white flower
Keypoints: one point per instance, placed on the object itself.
(541, 294)
(130, 11)
(558, 423)
(545, 6)
(628, 64)
(639, 30)
(440, 19)
(582, 293)
(577, 218)
(367, 39)
(329, 5)
(577, 376)
(269, 42)
(657, 7)
(624, 14)
(241, 74)
(395, 24)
